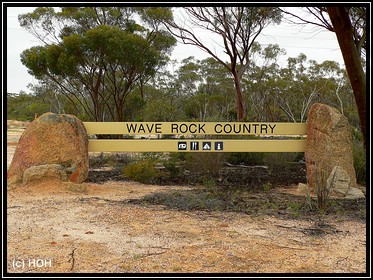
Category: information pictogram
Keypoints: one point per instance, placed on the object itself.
(219, 146)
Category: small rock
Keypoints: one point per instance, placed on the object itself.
(302, 188)
(354, 193)
(159, 166)
(338, 182)
(36, 173)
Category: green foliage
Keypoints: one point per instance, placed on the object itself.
(359, 155)
(162, 104)
(210, 185)
(246, 158)
(282, 159)
(133, 107)
(261, 158)
(173, 168)
(116, 160)
(142, 171)
(206, 164)
(42, 99)
(323, 189)
(23, 107)
(267, 187)
(101, 55)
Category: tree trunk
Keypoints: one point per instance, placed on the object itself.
(343, 29)
(239, 102)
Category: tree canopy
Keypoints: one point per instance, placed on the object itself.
(237, 28)
(98, 54)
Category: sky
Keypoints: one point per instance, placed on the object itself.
(317, 44)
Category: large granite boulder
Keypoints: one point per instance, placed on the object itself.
(52, 146)
(329, 155)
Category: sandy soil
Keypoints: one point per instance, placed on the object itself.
(55, 227)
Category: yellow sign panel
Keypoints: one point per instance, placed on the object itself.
(195, 128)
(196, 145)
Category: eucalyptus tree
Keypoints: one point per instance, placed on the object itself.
(261, 80)
(23, 106)
(295, 93)
(97, 55)
(237, 29)
(164, 97)
(188, 76)
(218, 88)
(303, 82)
(350, 27)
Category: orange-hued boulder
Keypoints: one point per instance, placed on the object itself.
(52, 146)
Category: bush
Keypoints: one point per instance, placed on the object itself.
(142, 171)
(360, 166)
(246, 158)
(283, 159)
(173, 168)
(116, 160)
(359, 155)
(206, 164)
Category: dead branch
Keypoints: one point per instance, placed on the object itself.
(72, 259)
(153, 254)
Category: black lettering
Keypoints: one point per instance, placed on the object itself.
(200, 128)
(230, 128)
(237, 131)
(272, 127)
(150, 129)
(255, 126)
(141, 127)
(190, 128)
(216, 127)
(263, 127)
(131, 127)
(174, 126)
(158, 128)
(185, 128)
(245, 128)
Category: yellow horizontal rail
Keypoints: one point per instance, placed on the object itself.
(195, 128)
(200, 145)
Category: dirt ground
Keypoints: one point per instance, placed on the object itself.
(91, 227)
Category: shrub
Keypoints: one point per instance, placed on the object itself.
(172, 168)
(360, 164)
(116, 160)
(282, 159)
(206, 164)
(142, 171)
(359, 155)
(246, 158)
